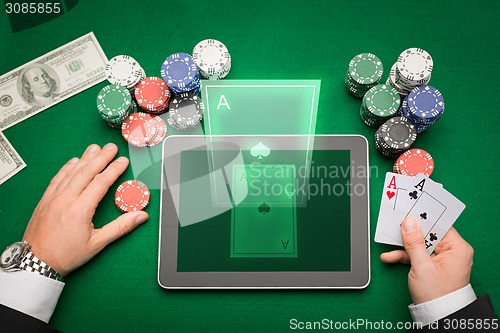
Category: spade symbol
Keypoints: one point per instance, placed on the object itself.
(423, 216)
(264, 208)
(432, 236)
(260, 150)
(413, 195)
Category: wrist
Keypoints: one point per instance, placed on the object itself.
(32, 263)
(47, 257)
(19, 256)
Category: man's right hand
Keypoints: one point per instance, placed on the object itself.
(446, 270)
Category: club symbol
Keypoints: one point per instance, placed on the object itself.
(260, 150)
(432, 236)
(413, 195)
(423, 216)
(264, 208)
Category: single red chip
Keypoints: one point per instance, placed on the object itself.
(414, 161)
(139, 129)
(131, 196)
(161, 133)
(152, 94)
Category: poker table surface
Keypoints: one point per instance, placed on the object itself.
(118, 290)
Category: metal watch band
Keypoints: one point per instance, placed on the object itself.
(31, 263)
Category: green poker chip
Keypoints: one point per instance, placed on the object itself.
(364, 72)
(113, 102)
(366, 68)
(382, 101)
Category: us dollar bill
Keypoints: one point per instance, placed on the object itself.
(10, 162)
(50, 79)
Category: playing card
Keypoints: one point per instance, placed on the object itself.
(415, 187)
(264, 224)
(436, 214)
(395, 188)
(427, 211)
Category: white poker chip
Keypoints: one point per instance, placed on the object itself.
(123, 70)
(414, 66)
(212, 58)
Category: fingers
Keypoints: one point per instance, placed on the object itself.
(117, 229)
(66, 168)
(86, 173)
(395, 256)
(89, 153)
(413, 241)
(93, 194)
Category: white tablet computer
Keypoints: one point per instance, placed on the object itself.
(277, 211)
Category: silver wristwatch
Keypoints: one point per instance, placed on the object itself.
(18, 257)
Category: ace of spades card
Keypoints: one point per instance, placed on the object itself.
(264, 224)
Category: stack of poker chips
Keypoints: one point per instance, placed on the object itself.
(379, 104)
(395, 137)
(423, 107)
(144, 130)
(152, 95)
(115, 103)
(364, 72)
(181, 73)
(125, 71)
(413, 162)
(186, 111)
(413, 68)
(212, 58)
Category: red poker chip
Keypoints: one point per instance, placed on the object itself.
(161, 110)
(152, 94)
(131, 196)
(139, 129)
(161, 132)
(414, 161)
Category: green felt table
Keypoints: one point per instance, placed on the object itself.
(118, 291)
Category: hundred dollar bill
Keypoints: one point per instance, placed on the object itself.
(50, 79)
(10, 162)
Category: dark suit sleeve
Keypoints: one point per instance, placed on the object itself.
(13, 321)
(481, 311)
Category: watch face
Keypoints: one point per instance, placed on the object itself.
(11, 255)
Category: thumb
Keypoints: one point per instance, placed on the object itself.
(118, 228)
(413, 241)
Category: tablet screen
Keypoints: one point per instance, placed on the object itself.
(269, 229)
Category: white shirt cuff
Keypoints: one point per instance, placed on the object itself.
(443, 306)
(30, 293)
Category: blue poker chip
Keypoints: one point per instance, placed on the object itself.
(180, 72)
(195, 88)
(426, 102)
(418, 117)
(421, 124)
